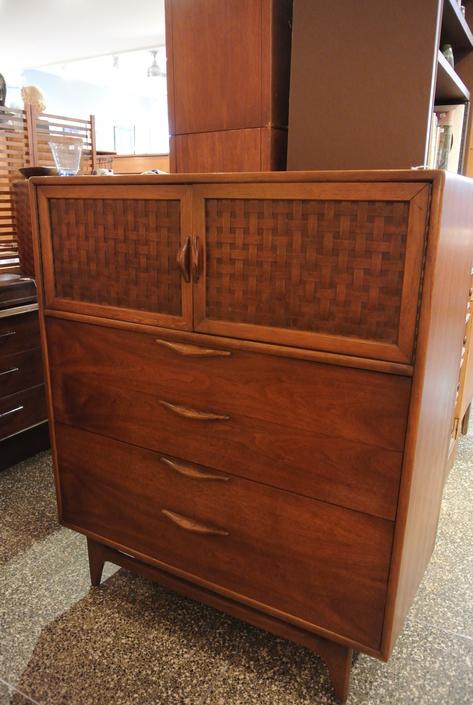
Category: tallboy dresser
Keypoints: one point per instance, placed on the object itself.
(251, 384)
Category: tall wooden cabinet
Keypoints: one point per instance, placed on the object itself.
(365, 77)
(228, 84)
(251, 380)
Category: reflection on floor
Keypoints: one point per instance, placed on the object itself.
(130, 641)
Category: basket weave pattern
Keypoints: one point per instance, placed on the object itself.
(333, 267)
(117, 252)
(23, 226)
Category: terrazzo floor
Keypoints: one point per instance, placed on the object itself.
(130, 641)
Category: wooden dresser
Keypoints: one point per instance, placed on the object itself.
(251, 386)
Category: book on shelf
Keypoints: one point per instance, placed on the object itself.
(446, 137)
(433, 141)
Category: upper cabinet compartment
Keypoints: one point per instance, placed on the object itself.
(115, 252)
(332, 267)
(319, 265)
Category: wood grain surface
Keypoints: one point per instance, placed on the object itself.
(441, 330)
(283, 414)
(277, 547)
(294, 484)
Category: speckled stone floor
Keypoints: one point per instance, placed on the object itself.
(132, 642)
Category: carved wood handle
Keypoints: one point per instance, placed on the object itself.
(183, 260)
(193, 413)
(191, 471)
(192, 350)
(195, 258)
(192, 525)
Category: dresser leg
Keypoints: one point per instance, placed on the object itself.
(96, 553)
(338, 660)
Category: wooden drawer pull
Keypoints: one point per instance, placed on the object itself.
(9, 372)
(183, 260)
(190, 471)
(195, 246)
(193, 413)
(8, 334)
(192, 350)
(192, 525)
(11, 411)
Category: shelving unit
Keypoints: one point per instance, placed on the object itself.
(383, 73)
(449, 87)
(455, 29)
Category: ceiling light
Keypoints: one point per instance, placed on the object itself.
(154, 70)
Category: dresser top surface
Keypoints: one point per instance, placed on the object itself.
(397, 175)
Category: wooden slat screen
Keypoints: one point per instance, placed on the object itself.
(14, 153)
(51, 128)
(24, 141)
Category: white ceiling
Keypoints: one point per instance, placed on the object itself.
(35, 33)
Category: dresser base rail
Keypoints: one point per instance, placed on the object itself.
(337, 658)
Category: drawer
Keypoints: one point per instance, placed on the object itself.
(359, 405)
(20, 371)
(22, 410)
(18, 333)
(321, 564)
(319, 430)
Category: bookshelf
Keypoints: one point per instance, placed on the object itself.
(455, 29)
(378, 78)
(449, 86)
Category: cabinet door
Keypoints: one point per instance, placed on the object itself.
(328, 266)
(115, 251)
(228, 64)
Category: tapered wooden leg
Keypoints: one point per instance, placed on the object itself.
(96, 553)
(466, 420)
(338, 660)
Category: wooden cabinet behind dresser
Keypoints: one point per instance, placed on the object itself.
(228, 65)
(260, 372)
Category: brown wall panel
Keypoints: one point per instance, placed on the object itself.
(361, 83)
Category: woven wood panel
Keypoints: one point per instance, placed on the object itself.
(117, 252)
(334, 267)
(23, 226)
